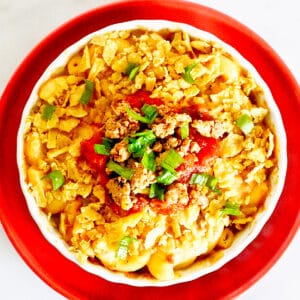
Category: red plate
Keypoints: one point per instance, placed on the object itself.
(69, 279)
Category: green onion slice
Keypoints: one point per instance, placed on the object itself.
(147, 135)
(207, 180)
(136, 149)
(167, 177)
(187, 73)
(232, 209)
(101, 149)
(132, 70)
(87, 93)
(123, 247)
(57, 179)
(245, 123)
(150, 112)
(212, 182)
(136, 116)
(108, 143)
(127, 173)
(148, 161)
(184, 130)
(200, 179)
(156, 191)
(140, 141)
(105, 147)
(48, 111)
(172, 160)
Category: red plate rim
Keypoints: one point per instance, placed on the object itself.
(69, 279)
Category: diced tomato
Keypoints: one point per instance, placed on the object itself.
(193, 110)
(162, 207)
(137, 207)
(196, 112)
(208, 146)
(208, 151)
(134, 101)
(94, 160)
(117, 209)
(154, 101)
(138, 99)
(188, 168)
(102, 178)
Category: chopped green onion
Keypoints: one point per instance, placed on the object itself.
(138, 145)
(135, 145)
(140, 153)
(132, 70)
(136, 116)
(57, 179)
(105, 147)
(123, 247)
(184, 130)
(147, 135)
(148, 161)
(87, 93)
(127, 173)
(212, 184)
(167, 177)
(207, 180)
(156, 191)
(171, 160)
(245, 123)
(187, 73)
(136, 148)
(108, 143)
(101, 149)
(48, 111)
(150, 112)
(200, 179)
(232, 209)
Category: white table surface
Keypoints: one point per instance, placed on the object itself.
(24, 23)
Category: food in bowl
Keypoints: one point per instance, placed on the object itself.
(149, 151)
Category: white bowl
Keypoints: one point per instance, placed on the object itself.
(197, 269)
